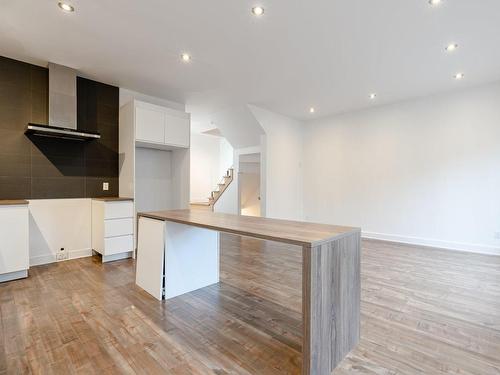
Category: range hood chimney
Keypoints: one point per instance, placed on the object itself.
(62, 107)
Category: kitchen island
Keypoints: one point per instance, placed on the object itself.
(178, 252)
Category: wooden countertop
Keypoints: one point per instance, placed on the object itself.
(292, 232)
(13, 202)
(113, 199)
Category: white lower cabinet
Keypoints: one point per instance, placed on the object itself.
(14, 241)
(113, 228)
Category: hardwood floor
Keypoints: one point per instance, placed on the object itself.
(424, 311)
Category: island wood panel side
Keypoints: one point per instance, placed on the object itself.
(331, 292)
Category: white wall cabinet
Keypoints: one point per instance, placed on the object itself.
(113, 228)
(159, 127)
(150, 125)
(153, 171)
(14, 241)
(177, 129)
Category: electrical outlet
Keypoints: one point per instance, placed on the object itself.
(497, 235)
(105, 186)
(62, 255)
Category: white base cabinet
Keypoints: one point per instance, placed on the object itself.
(113, 228)
(173, 259)
(14, 241)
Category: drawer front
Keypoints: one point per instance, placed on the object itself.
(117, 245)
(117, 210)
(118, 227)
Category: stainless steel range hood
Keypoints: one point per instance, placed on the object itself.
(62, 108)
(58, 132)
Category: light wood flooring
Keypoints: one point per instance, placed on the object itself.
(424, 311)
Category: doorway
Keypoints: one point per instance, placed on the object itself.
(249, 184)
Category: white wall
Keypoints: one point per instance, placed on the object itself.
(282, 148)
(226, 156)
(128, 95)
(425, 171)
(205, 166)
(211, 157)
(239, 126)
(229, 201)
(153, 179)
(56, 223)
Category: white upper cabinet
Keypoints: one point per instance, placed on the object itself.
(159, 127)
(177, 129)
(149, 125)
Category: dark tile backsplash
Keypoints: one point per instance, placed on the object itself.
(42, 168)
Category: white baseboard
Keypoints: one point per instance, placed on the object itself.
(42, 259)
(13, 276)
(427, 242)
(75, 254)
(51, 258)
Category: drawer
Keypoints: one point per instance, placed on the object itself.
(116, 245)
(116, 210)
(118, 227)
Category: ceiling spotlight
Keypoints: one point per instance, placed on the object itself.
(257, 11)
(373, 96)
(451, 47)
(312, 110)
(459, 76)
(66, 7)
(186, 57)
(435, 2)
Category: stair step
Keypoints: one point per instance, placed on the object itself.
(207, 203)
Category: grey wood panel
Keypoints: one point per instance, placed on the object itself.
(331, 303)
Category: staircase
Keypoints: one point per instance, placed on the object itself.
(216, 194)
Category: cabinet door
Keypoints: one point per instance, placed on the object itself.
(149, 125)
(14, 242)
(177, 130)
(150, 256)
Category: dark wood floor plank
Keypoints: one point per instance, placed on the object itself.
(424, 311)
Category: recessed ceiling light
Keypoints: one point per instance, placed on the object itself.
(312, 110)
(373, 96)
(66, 7)
(451, 47)
(459, 76)
(257, 11)
(435, 2)
(186, 57)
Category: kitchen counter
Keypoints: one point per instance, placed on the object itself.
(13, 202)
(292, 232)
(178, 252)
(113, 199)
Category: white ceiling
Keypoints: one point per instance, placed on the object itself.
(329, 54)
